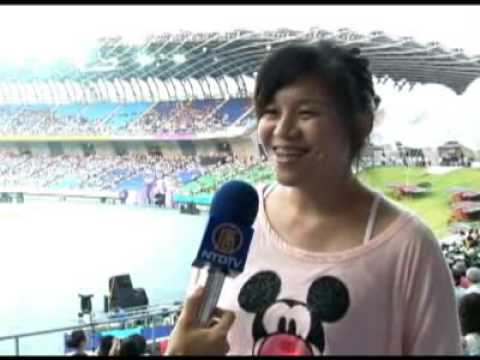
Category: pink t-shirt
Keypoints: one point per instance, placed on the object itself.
(393, 295)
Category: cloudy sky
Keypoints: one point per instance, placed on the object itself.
(27, 30)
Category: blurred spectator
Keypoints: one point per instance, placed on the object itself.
(129, 347)
(457, 277)
(115, 348)
(140, 342)
(469, 312)
(461, 268)
(105, 345)
(78, 342)
(473, 276)
(472, 238)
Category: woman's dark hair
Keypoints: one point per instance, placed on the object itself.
(105, 345)
(469, 312)
(76, 339)
(341, 69)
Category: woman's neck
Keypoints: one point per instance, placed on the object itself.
(336, 199)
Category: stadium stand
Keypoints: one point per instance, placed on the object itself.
(140, 118)
(95, 172)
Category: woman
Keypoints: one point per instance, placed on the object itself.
(334, 267)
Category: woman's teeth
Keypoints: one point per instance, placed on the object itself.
(288, 154)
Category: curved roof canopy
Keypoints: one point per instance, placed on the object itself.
(198, 55)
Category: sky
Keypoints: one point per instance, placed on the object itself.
(45, 32)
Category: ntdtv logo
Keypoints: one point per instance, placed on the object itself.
(225, 246)
(227, 239)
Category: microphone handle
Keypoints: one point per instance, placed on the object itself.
(213, 288)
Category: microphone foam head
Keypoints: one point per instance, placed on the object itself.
(237, 202)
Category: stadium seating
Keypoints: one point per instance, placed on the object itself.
(126, 113)
(233, 109)
(106, 118)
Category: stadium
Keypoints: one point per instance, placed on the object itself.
(133, 144)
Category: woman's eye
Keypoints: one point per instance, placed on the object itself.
(270, 112)
(308, 113)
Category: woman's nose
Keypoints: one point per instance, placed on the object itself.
(286, 126)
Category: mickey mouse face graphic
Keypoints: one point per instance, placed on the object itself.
(287, 326)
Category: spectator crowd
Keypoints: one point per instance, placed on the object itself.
(94, 172)
(133, 345)
(47, 123)
(462, 256)
(185, 118)
(101, 172)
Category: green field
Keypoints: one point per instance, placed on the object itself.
(433, 208)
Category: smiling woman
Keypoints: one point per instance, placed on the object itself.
(329, 254)
(319, 110)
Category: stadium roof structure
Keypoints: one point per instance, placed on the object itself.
(185, 56)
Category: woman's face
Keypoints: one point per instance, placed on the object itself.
(304, 137)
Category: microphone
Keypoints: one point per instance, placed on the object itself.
(226, 240)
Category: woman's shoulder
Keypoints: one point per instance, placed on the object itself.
(411, 224)
(403, 230)
(263, 187)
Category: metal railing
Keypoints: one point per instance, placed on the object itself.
(131, 316)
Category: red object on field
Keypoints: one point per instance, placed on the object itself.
(465, 210)
(465, 195)
(400, 190)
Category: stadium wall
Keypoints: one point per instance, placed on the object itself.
(73, 148)
(104, 148)
(241, 146)
(169, 149)
(206, 147)
(40, 148)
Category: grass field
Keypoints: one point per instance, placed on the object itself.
(433, 208)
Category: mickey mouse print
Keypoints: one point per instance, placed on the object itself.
(284, 326)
